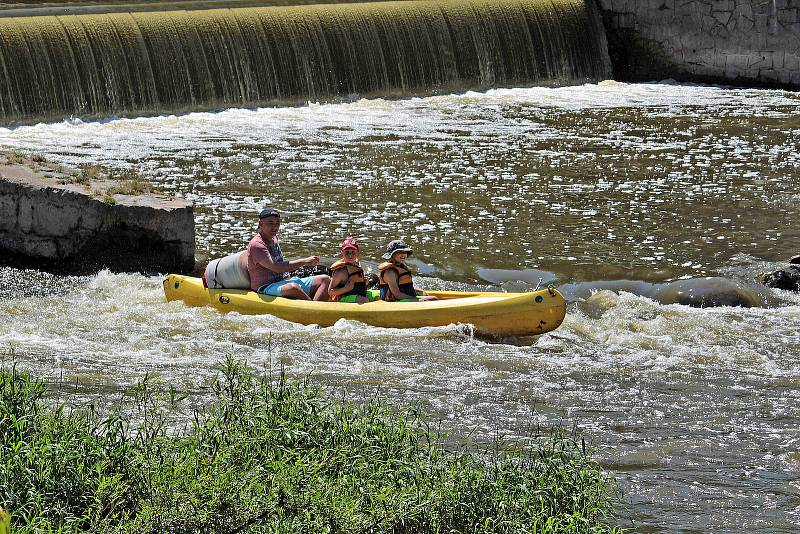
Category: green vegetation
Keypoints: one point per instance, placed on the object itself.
(130, 183)
(84, 176)
(89, 172)
(270, 455)
(16, 158)
(105, 183)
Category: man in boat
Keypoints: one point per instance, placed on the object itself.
(269, 270)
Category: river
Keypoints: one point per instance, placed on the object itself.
(696, 410)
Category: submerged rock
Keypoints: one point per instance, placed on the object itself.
(696, 292)
(599, 303)
(787, 278)
(707, 292)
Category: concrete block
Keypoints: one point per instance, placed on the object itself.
(720, 34)
(707, 22)
(744, 24)
(624, 21)
(778, 60)
(628, 21)
(737, 39)
(744, 9)
(762, 22)
(8, 212)
(711, 70)
(59, 219)
(722, 6)
(707, 41)
(68, 229)
(791, 62)
(737, 62)
(788, 16)
(703, 8)
(42, 248)
(722, 17)
(762, 61)
(621, 6)
(730, 74)
(26, 213)
(768, 75)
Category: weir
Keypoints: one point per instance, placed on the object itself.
(53, 67)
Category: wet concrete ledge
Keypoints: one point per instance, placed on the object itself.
(50, 221)
(753, 43)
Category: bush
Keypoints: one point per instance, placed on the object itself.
(275, 456)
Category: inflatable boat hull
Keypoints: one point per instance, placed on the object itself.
(495, 314)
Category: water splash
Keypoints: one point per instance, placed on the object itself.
(134, 63)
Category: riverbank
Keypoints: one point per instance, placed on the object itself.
(266, 454)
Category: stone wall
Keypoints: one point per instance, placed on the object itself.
(64, 227)
(748, 42)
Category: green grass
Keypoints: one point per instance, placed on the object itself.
(130, 182)
(16, 158)
(269, 455)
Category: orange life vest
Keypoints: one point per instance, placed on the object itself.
(404, 281)
(355, 272)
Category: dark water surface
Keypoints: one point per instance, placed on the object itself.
(696, 410)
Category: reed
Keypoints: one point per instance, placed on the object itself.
(151, 62)
(270, 455)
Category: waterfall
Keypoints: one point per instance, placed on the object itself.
(53, 67)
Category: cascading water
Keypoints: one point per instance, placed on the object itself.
(132, 63)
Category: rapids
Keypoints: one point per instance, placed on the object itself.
(610, 184)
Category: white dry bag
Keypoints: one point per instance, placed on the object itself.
(229, 272)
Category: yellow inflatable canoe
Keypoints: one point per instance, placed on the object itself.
(496, 314)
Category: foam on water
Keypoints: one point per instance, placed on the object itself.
(633, 373)
(647, 183)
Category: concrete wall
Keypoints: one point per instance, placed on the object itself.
(749, 42)
(65, 228)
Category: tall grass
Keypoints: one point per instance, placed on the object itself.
(270, 455)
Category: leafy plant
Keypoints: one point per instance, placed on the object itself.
(272, 455)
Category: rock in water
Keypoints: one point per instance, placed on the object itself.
(707, 292)
(788, 278)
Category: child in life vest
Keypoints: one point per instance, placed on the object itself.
(396, 283)
(348, 283)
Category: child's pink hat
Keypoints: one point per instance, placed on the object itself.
(350, 242)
